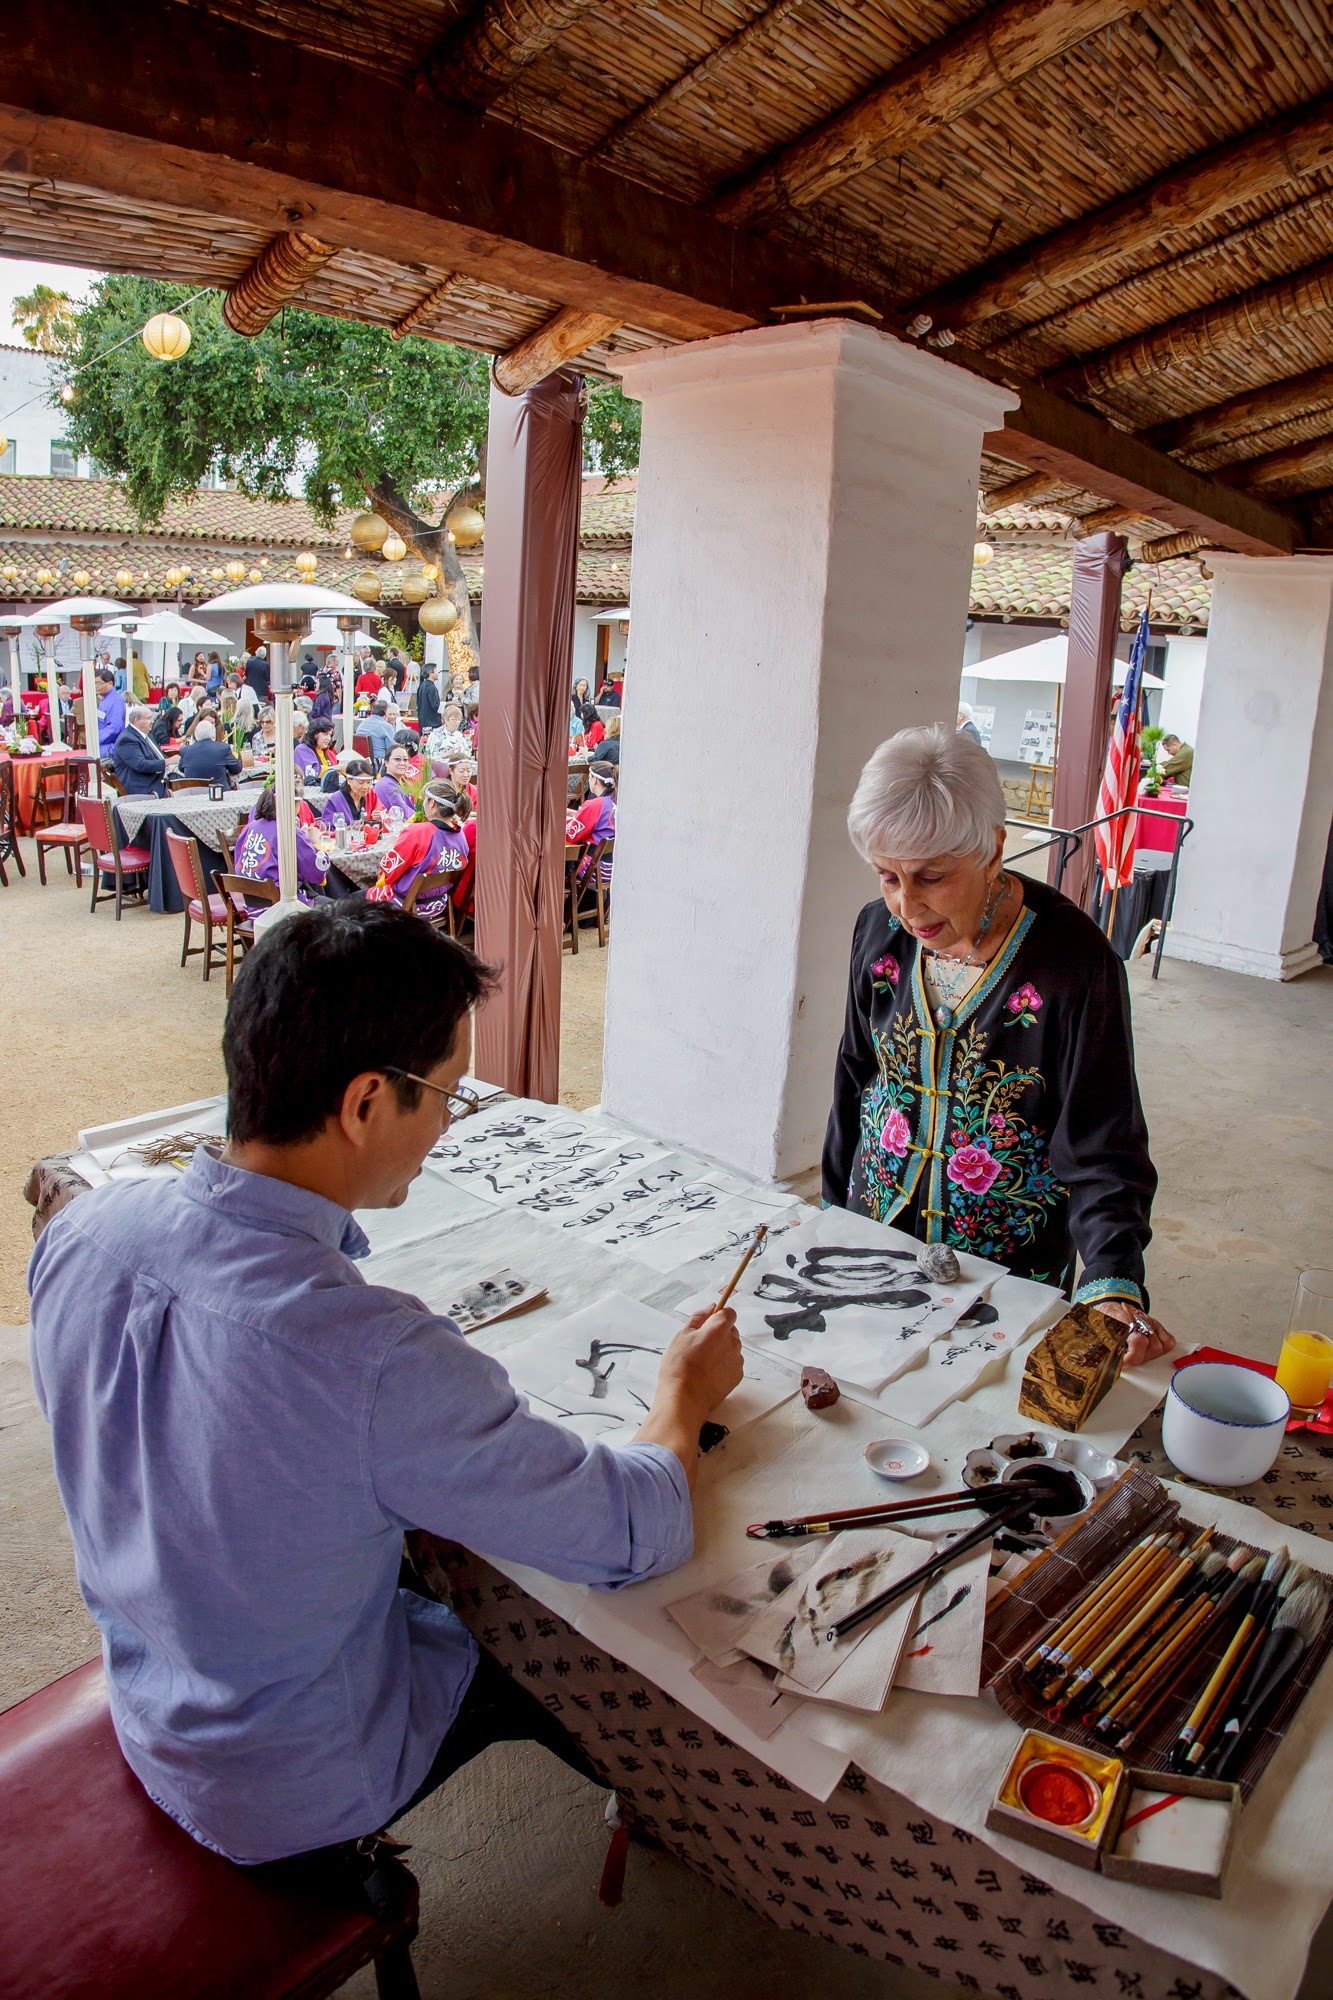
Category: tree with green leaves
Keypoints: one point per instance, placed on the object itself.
(362, 419)
(45, 317)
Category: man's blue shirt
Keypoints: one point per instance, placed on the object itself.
(243, 1428)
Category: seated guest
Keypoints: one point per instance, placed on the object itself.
(463, 778)
(110, 712)
(204, 756)
(166, 725)
(346, 806)
(377, 729)
(608, 751)
(1175, 760)
(608, 694)
(448, 741)
(595, 819)
(139, 763)
(319, 744)
(389, 785)
(272, 1687)
(257, 851)
(423, 847)
(409, 740)
(206, 712)
(581, 697)
(306, 760)
(593, 731)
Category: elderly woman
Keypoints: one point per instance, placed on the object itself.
(985, 1093)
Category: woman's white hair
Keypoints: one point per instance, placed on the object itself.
(927, 792)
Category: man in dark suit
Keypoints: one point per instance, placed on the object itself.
(428, 700)
(139, 764)
(204, 757)
(258, 675)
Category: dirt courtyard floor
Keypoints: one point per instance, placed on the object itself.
(108, 1024)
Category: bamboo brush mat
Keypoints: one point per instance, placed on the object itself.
(1021, 1616)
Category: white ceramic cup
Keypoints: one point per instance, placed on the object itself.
(1223, 1425)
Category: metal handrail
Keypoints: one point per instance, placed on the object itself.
(1069, 840)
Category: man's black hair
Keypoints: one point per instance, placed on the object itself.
(308, 1014)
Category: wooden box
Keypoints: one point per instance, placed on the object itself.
(1082, 1845)
(1071, 1368)
(1174, 1860)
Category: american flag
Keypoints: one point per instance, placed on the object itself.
(1120, 780)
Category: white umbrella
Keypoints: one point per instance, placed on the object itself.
(1046, 660)
(280, 612)
(165, 628)
(85, 614)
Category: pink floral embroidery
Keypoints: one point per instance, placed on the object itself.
(884, 973)
(999, 1126)
(895, 1135)
(974, 1168)
(1025, 1002)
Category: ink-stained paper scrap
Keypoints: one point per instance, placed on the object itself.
(942, 1653)
(790, 1633)
(992, 1327)
(493, 1298)
(713, 1616)
(849, 1295)
(597, 1370)
(750, 1691)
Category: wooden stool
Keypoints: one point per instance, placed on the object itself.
(102, 1893)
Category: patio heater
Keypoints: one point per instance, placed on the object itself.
(347, 624)
(85, 615)
(13, 632)
(280, 613)
(47, 633)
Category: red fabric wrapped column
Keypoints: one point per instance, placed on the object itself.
(1085, 712)
(534, 465)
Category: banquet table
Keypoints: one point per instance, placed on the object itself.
(1159, 834)
(865, 1828)
(28, 774)
(146, 821)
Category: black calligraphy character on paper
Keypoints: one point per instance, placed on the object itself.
(834, 1276)
(594, 1215)
(592, 1362)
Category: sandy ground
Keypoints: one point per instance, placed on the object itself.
(107, 1024)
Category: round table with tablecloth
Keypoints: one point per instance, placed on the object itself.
(28, 775)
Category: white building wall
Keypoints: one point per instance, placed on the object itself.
(27, 419)
(1181, 697)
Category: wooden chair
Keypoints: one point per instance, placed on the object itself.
(202, 905)
(577, 789)
(428, 885)
(240, 891)
(574, 854)
(9, 826)
(50, 798)
(127, 864)
(175, 783)
(68, 835)
(600, 872)
(103, 1893)
(227, 846)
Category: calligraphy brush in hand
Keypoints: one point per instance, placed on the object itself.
(1297, 1625)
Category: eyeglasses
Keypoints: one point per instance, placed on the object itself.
(462, 1103)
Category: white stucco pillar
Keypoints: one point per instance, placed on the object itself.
(1261, 792)
(802, 557)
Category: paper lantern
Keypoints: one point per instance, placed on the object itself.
(394, 549)
(256, 576)
(982, 553)
(465, 524)
(166, 336)
(431, 572)
(217, 575)
(124, 578)
(44, 576)
(415, 587)
(174, 578)
(9, 572)
(366, 586)
(67, 393)
(369, 531)
(307, 563)
(236, 572)
(81, 579)
(438, 616)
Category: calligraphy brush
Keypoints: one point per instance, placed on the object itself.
(1179, 1611)
(1054, 1645)
(757, 1243)
(1203, 1742)
(1081, 1645)
(1184, 1636)
(1021, 1503)
(1167, 1587)
(1295, 1628)
(985, 1500)
(1249, 1580)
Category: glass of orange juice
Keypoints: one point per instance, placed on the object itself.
(1305, 1365)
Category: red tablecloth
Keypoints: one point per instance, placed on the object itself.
(28, 776)
(1156, 833)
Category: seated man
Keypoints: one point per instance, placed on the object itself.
(243, 1426)
(138, 762)
(110, 712)
(424, 847)
(1175, 760)
(205, 757)
(378, 730)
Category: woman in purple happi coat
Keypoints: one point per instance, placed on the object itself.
(347, 806)
(257, 852)
(389, 785)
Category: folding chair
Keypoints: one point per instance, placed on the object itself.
(109, 857)
(202, 905)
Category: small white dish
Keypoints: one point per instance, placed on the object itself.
(897, 1458)
(1223, 1425)
(982, 1467)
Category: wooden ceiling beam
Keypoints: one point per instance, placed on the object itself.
(1252, 410)
(1285, 150)
(1302, 467)
(934, 88)
(280, 145)
(1029, 491)
(755, 33)
(1244, 321)
(567, 334)
(475, 63)
(274, 280)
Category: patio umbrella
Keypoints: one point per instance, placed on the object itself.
(165, 628)
(280, 613)
(1046, 660)
(85, 615)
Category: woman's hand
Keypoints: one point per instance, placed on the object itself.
(1148, 1339)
